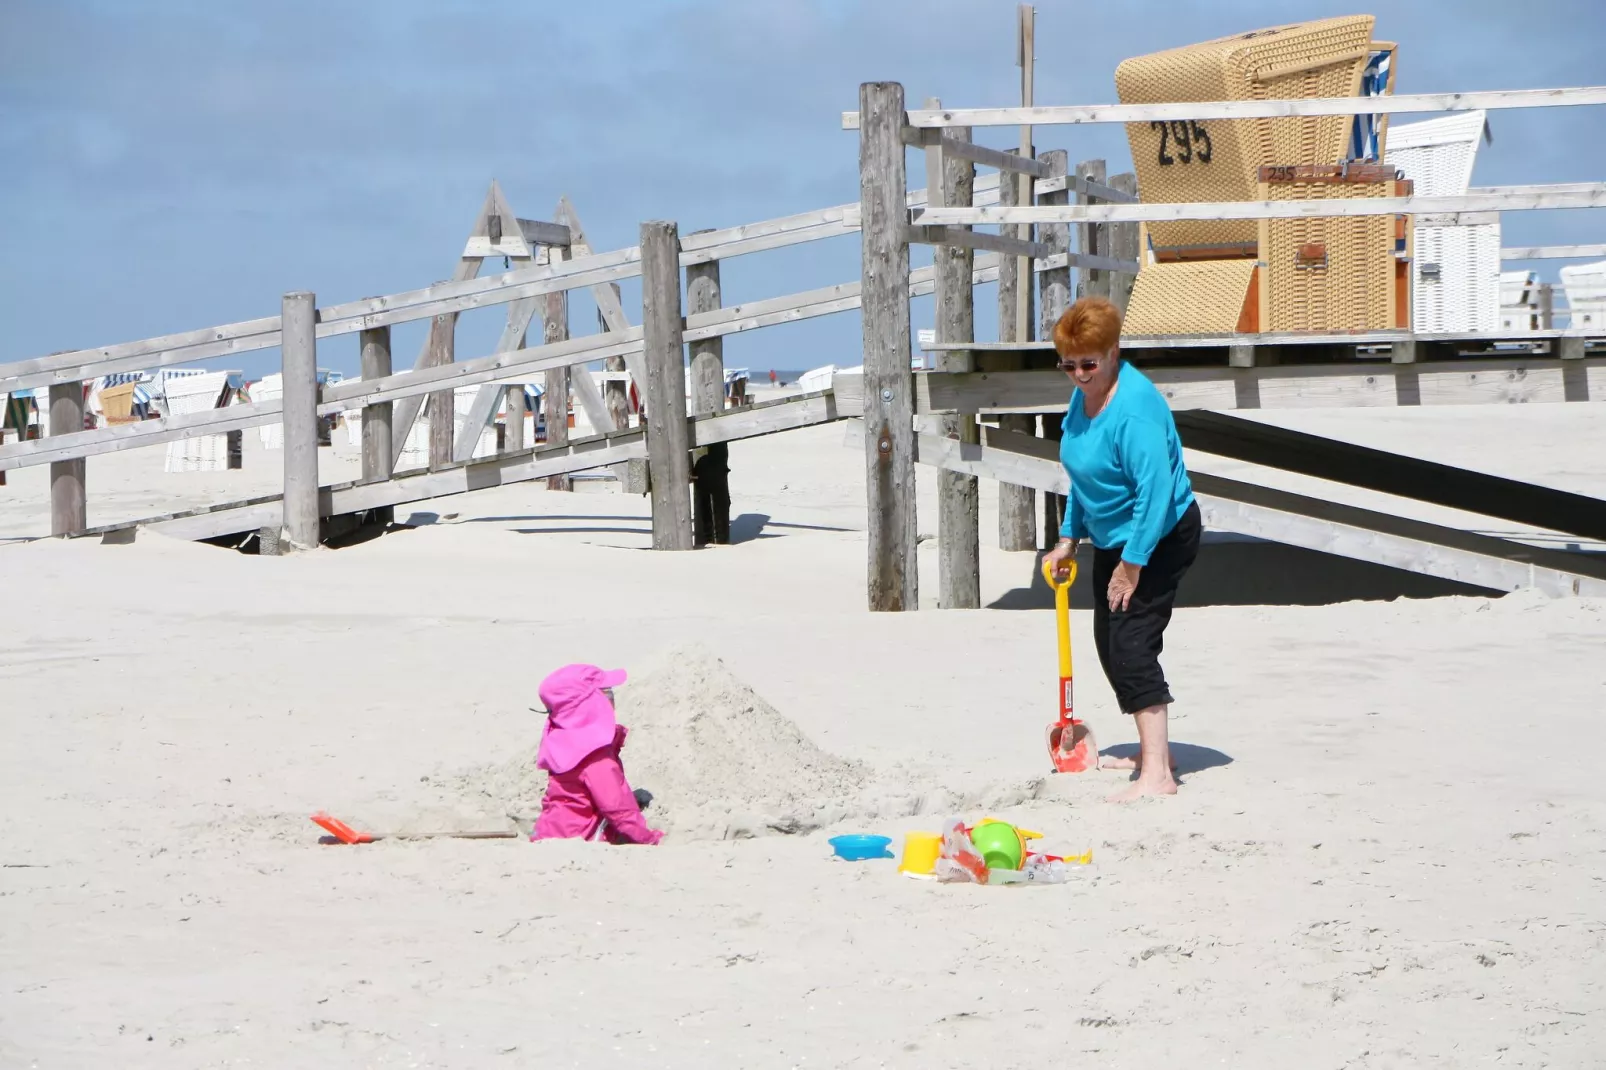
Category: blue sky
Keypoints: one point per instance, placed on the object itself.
(170, 165)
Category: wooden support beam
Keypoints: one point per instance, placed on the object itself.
(965, 149)
(69, 504)
(442, 406)
(540, 232)
(299, 527)
(1124, 244)
(665, 387)
(1092, 238)
(1017, 505)
(1395, 104)
(1551, 252)
(597, 451)
(1091, 262)
(555, 392)
(969, 239)
(711, 502)
(1054, 297)
(1509, 198)
(958, 494)
(1298, 520)
(1482, 381)
(893, 579)
(1093, 189)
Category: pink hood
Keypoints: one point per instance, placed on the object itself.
(580, 718)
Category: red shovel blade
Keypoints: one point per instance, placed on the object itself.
(1072, 751)
(339, 829)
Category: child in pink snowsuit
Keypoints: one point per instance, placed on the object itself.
(586, 793)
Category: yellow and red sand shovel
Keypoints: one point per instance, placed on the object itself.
(1070, 741)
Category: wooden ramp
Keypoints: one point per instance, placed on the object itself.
(1299, 520)
(598, 451)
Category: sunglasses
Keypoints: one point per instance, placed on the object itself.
(1085, 365)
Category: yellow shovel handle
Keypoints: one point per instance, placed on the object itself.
(1062, 611)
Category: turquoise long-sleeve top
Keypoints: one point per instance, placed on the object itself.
(1128, 485)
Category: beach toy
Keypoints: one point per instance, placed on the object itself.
(920, 851)
(1070, 742)
(859, 848)
(1002, 844)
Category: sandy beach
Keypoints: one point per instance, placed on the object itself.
(1389, 848)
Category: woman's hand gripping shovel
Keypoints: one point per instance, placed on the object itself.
(1070, 741)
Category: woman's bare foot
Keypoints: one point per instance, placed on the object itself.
(1141, 787)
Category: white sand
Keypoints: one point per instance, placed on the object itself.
(1389, 849)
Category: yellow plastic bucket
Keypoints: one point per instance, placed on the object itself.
(920, 851)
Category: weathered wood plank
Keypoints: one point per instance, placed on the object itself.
(1054, 296)
(958, 494)
(969, 239)
(441, 408)
(555, 395)
(1513, 198)
(664, 389)
(1093, 239)
(1484, 381)
(1017, 504)
(1297, 520)
(377, 462)
(69, 505)
(1550, 252)
(893, 579)
(1395, 104)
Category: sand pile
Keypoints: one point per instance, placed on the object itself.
(720, 761)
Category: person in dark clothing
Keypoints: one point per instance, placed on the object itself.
(711, 495)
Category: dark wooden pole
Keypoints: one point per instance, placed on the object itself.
(668, 438)
(893, 579)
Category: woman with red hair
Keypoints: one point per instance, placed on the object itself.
(1130, 496)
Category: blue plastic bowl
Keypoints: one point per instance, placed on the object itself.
(859, 848)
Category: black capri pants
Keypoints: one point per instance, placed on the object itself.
(1129, 641)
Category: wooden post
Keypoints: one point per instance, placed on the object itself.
(1026, 44)
(377, 459)
(299, 363)
(69, 509)
(951, 182)
(893, 580)
(1054, 297)
(555, 392)
(711, 501)
(442, 406)
(668, 438)
(1123, 244)
(1017, 506)
(1093, 238)
(1547, 306)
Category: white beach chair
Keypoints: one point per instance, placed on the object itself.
(1586, 294)
(1455, 281)
(196, 393)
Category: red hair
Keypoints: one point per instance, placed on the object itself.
(1091, 325)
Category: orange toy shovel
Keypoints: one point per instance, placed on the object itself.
(344, 833)
(1070, 742)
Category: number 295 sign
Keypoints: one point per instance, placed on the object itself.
(1182, 141)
